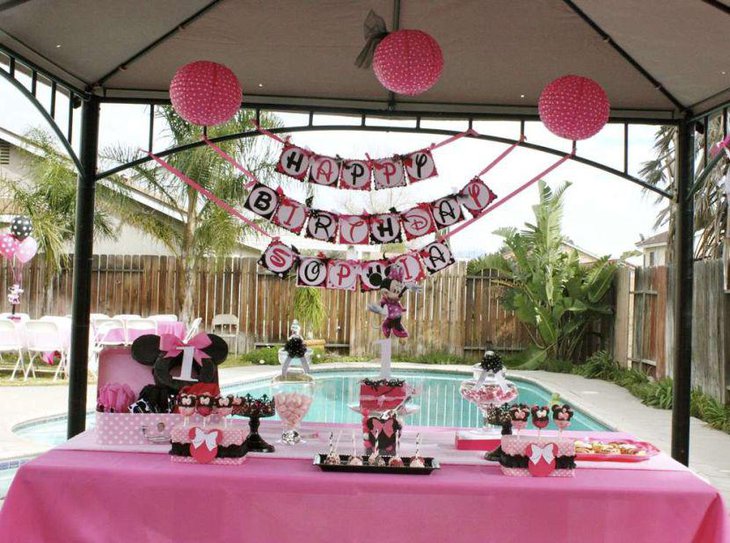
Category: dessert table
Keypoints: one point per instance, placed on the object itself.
(75, 494)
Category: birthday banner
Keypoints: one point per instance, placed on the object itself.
(358, 174)
(368, 229)
(320, 271)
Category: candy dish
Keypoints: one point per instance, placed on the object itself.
(345, 465)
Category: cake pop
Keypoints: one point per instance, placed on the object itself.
(417, 460)
(562, 415)
(186, 404)
(540, 416)
(205, 403)
(224, 405)
(332, 458)
(354, 459)
(520, 414)
(396, 461)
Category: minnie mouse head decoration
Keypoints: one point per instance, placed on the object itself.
(197, 360)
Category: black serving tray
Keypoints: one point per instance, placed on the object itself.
(430, 465)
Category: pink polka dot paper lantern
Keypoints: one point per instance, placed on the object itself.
(408, 62)
(205, 93)
(574, 107)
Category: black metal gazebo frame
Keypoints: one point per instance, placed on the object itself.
(17, 70)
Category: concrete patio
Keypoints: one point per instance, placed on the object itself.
(606, 402)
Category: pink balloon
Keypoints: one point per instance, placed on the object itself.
(26, 250)
(408, 62)
(8, 245)
(205, 93)
(574, 107)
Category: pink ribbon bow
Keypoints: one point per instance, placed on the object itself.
(379, 427)
(537, 453)
(210, 439)
(171, 345)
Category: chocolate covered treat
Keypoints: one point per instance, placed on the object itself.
(562, 415)
(540, 416)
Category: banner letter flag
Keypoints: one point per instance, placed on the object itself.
(385, 228)
(322, 225)
(367, 270)
(447, 211)
(290, 214)
(412, 267)
(294, 162)
(419, 166)
(418, 221)
(355, 175)
(312, 272)
(436, 257)
(476, 196)
(279, 258)
(324, 171)
(354, 230)
(342, 274)
(262, 200)
(388, 173)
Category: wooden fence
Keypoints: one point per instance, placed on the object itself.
(647, 341)
(454, 313)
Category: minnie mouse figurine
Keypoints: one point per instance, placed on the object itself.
(392, 288)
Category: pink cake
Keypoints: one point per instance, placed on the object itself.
(382, 394)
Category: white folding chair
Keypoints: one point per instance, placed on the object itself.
(108, 332)
(124, 317)
(193, 329)
(97, 316)
(139, 327)
(228, 325)
(163, 318)
(43, 337)
(10, 342)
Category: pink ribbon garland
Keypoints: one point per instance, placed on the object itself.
(233, 162)
(501, 156)
(507, 198)
(451, 139)
(212, 197)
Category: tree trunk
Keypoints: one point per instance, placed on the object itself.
(47, 308)
(186, 265)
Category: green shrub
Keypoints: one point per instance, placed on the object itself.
(659, 394)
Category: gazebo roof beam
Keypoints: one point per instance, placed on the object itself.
(181, 25)
(626, 56)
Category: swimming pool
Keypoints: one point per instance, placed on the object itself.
(439, 399)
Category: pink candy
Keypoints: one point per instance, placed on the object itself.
(292, 407)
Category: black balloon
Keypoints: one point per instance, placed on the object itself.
(21, 227)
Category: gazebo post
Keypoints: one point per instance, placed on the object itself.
(83, 247)
(683, 292)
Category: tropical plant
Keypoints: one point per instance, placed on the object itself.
(547, 287)
(203, 229)
(309, 307)
(48, 197)
(711, 208)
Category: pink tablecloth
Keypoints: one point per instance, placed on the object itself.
(84, 496)
(164, 327)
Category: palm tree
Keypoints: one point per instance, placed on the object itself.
(710, 202)
(203, 228)
(49, 199)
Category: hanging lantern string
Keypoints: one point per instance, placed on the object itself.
(233, 162)
(451, 139)
(209, 195)
(511, 195)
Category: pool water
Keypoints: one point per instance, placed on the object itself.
(438, 397)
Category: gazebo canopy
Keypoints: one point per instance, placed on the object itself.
(655, 58)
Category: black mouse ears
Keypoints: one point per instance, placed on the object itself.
(147, 349)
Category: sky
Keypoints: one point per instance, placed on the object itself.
(604, 214)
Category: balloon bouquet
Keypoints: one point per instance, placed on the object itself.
(19, 248)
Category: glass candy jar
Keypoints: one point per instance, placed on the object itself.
(488, 390)
(293, 396)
